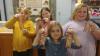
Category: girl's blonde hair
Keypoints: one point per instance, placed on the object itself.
(78, 6)
(27, 10)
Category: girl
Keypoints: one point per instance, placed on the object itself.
(55, 43)
(42, 22)
(23, 31)
(85, 30)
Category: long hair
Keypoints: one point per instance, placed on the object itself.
(46, 9)
(53, 24)
(78, 7)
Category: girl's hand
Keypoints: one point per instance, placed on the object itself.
(17, 15)
(42, 36)
(93, 27)
(46, 20)
(40, 31)
(25, 31)
(90, 27)
(42, 40)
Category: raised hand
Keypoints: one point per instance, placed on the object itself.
(25, 31)
(89, 27)
(17, 15)
(42, 36)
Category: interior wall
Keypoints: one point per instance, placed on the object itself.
(63, 10)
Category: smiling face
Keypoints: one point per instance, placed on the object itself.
(45, 14)
(55, 32)
(81, 14)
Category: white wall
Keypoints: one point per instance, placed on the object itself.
(9, 8)
(63, 10)
(2, 10)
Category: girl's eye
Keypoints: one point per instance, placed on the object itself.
(79, 11)
(22, 13)
(55, 30)
(58, 30)
(46, 13)
(84, 11)
(52, 31)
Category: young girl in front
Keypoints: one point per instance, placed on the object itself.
(55, 43)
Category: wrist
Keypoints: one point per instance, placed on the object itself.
(92, 31)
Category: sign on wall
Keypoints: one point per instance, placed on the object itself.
(35, 5)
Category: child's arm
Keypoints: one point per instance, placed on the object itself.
(10, 23)
(39, 39)
(42, 37)
(36, 40)
(29, 30)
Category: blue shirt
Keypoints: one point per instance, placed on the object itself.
(55, 49)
